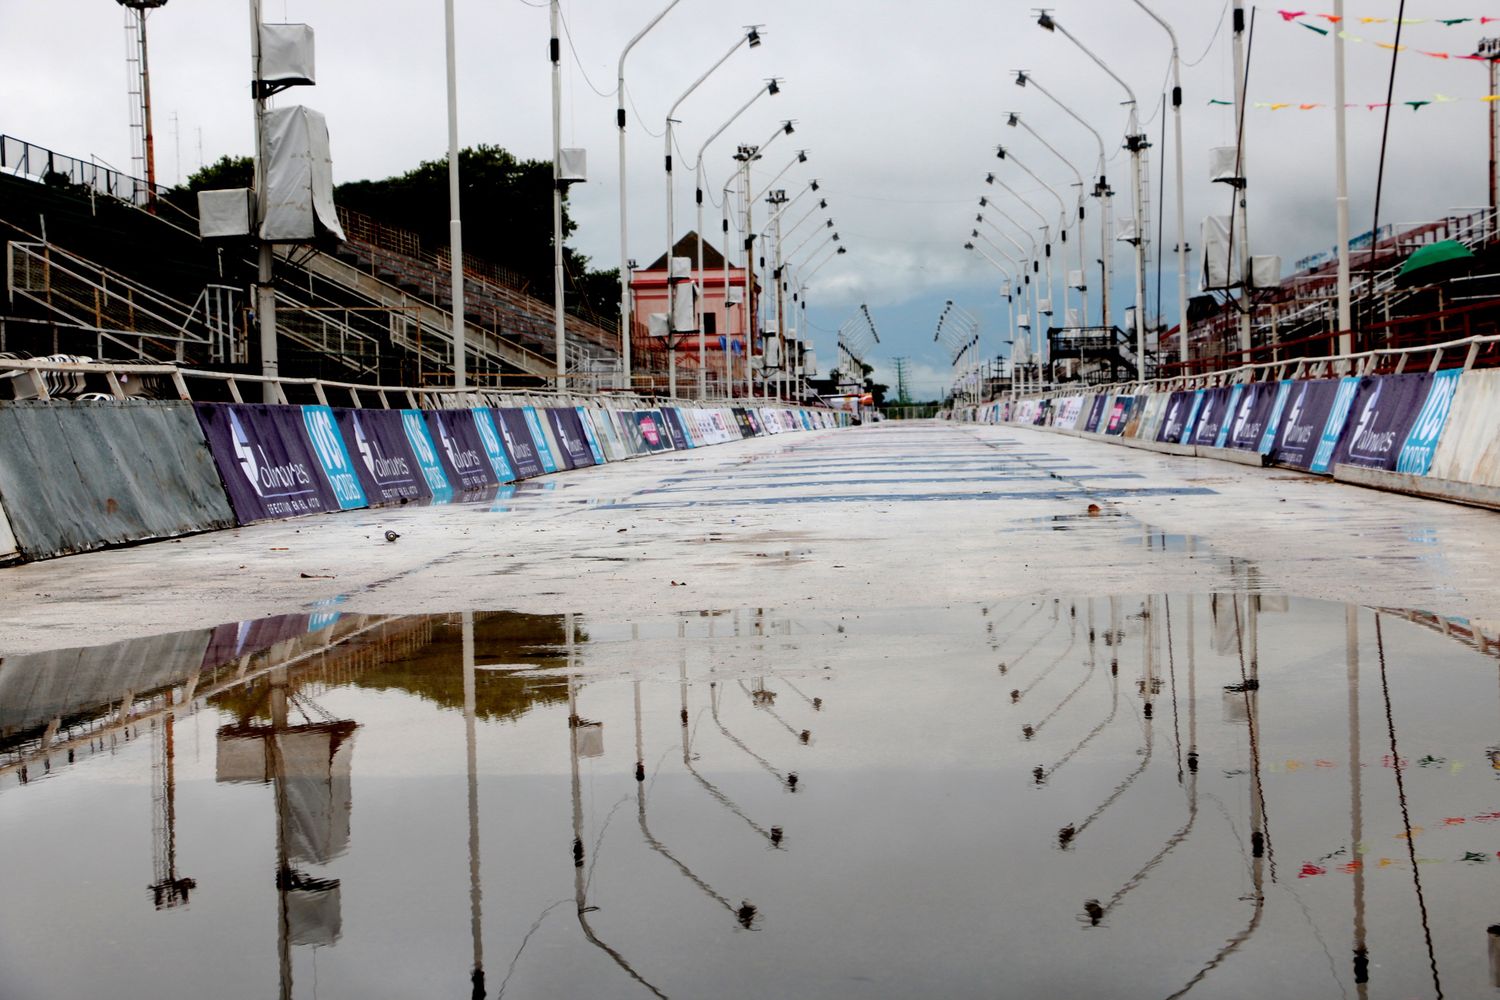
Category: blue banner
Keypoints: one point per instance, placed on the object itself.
(427, 456)
(489, 437)
(1268, 438)
(516, 433)
(1308, 406)
(328, 446)
(1416, 453)
(1096, 412)
(1231, 410)
(586, 421)
(1383, 412)
(1338, 416)
(572, 445)
(1174, 421)
(1213, 411)
(539, 438)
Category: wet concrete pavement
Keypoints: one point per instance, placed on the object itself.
(859, 519)
(866, 713)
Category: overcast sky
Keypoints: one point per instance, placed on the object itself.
(899, 104)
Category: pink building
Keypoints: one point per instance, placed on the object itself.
(649, 292)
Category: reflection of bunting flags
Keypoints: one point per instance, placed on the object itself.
(1416, 104)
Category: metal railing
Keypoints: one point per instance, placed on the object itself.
(34, 373)
(116, 310)
(25, 159)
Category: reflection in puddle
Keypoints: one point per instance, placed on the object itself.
(1245, 790)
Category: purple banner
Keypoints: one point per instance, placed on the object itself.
(749, 423)
(518, 443)
(1385, 408)
(1247, 425)
(460, 450)
(571, 440)
(382, 456)
(1096, 413)
(266, 461)
(1175, 417)
(674, 428)
(1211, 416)
(1307, 410)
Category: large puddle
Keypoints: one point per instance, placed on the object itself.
(1219, 796)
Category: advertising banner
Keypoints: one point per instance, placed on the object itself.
(609, 432)
(1175, 419)
(757, 429)
(383, 457)
(489, 438)
(572, 444)
(1273, 423)
(540, 439)
(1306, 414)
(1338, 416)
(265, 460)
(1119, 414)
(652, 432)
(742, 420)
(1213, 408)
(425, 450)
(1384, 411)
(1231, 410)
(1249, 416)
(1415, 457)
(591, 434)
(516, 433)
(460, 450)
(1097, 407)
(328, 445)
(630, 431)
(673, 424)
(1067, 411)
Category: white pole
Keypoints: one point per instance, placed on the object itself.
(1182, 280)
(265, 289)
(455, 225)
(1239, 207)
(1341, 170)
(558, 323)
(627, 312)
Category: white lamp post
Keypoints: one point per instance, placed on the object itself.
(1182, 281)
(627, 312)
(1135, 142)
(455, 225)
(1101, 191)
(1015, 120)
(751, 38)
(1062, 214)
(770, 87)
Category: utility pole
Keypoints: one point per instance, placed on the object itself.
(559, 328)
(1246, 282)
(903, 397)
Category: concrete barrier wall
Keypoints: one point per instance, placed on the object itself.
(1431, 434)
(76, 476)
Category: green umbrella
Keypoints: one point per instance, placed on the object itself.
(1434, 263)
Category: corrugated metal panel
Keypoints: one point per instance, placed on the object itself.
(76, 476)
(1469, 449)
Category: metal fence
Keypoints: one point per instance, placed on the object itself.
(38, 163)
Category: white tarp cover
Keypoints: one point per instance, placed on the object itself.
(7, 538)
(771, 353)
(1220, 267)
(656, 324)
(1221, 163)
(1265, 270)
(228, 212)
(810, 361)
(299, 177)
(573, 166)
(1468, 451)
(286, 54)
(684, 307)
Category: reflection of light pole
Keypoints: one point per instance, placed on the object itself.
(1182, 295)
(752, 39)
(476, 913)
(627, 313)
(771, 87)
(1135, 142)
(1101, 191)
(1015, 120)
(1356, 808)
